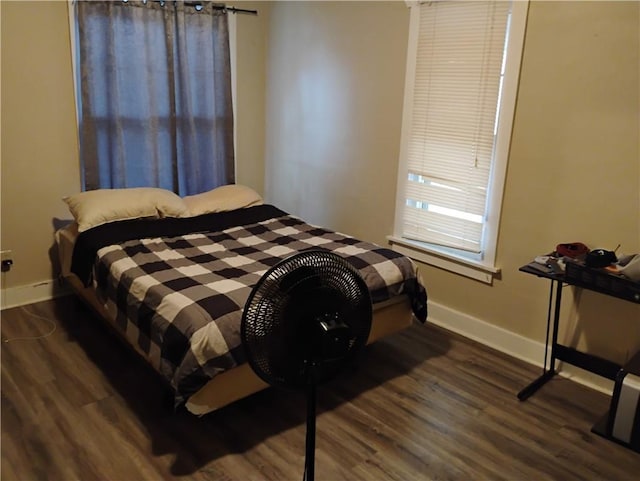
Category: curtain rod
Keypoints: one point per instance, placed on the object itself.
(238, 10)
(224, 8)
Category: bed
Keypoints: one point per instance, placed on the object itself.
(172, 275)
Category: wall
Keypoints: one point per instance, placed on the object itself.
(39, 141)
(334, 108)
(335, 83)
(252, 44)
(39, 156)
(575, 151)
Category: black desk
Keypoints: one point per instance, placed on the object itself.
(560, 352)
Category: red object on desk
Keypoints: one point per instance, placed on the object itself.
(572, 249)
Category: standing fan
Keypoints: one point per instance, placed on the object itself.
(306, 317)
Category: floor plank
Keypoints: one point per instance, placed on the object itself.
(423, 404)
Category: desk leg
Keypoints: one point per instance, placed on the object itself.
(547, 374)
(535, 385)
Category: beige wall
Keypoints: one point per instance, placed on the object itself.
(336, 74)
(252, 44)
(577, 130)
(326, 144)
(334, 109)
(39, 143)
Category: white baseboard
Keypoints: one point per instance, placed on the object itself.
(28, 294)
(510, 343)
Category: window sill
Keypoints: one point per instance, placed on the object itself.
(432, 256)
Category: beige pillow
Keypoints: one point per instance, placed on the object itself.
(96, 207)
(221, 199)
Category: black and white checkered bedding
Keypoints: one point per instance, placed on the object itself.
(179, 298)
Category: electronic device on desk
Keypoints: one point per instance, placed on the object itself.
(547, 264)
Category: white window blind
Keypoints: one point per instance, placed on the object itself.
(459, 67)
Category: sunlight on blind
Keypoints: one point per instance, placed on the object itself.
(458, 75)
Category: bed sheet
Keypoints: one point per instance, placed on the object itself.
(179, 295)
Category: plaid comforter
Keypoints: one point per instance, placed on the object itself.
(179, 293)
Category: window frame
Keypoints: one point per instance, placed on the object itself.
(481, 266)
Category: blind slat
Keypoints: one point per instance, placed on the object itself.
(439, 229)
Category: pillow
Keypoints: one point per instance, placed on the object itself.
(221, 199)
(96, 207)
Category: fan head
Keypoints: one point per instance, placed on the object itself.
(311, 309)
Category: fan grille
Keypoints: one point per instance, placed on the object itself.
(312, 308)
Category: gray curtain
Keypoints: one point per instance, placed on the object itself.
(155, 83)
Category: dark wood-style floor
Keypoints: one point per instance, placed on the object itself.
(423, 404)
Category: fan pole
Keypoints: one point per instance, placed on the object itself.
(309, 461)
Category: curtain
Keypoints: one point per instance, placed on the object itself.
(155, 103)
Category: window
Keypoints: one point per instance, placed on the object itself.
(154, 95)
(462, 73)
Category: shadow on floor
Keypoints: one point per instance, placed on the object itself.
(195, 441)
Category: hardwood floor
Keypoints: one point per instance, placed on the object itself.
(423, 404)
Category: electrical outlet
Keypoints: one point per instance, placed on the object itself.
(6, 260)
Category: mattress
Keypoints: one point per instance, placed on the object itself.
(137, 267)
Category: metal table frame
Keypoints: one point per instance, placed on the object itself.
(561, 352)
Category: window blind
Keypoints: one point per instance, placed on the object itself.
(456, 93)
